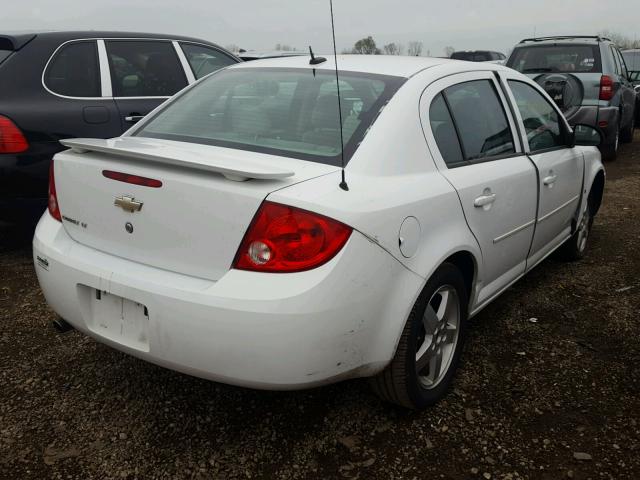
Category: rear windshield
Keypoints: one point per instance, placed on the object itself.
(632, 59)
(286, 112)
(556, 58)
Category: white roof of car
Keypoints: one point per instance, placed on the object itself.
(397, 65)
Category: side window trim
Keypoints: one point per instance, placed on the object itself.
(54, 54)
(455, 127)
(105, 70)
(191, 78)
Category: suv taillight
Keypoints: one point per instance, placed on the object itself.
(606, 88)
(284, 239)
(11, 138)
(54, 208)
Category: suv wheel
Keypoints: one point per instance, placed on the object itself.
(610, 151)
(626, 136)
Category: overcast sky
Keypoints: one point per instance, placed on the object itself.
(260, 24)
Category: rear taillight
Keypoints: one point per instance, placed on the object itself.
(54, 208)
(11, 138)
(606, 88)
(284, 239)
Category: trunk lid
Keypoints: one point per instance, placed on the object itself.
(193, 223)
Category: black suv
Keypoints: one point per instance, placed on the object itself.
(588, 79)
(58, 85)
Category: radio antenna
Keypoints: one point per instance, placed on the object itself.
(343, 183)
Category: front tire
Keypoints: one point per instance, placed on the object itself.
(626, 136)
(430, 346)
(610, 152)
(575, 248)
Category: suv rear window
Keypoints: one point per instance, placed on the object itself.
(556, 58)
(286, 112)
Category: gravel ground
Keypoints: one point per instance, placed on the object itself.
(549, 389)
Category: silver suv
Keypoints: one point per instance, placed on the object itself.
(588, 79)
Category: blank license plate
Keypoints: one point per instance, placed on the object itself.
(120, 319)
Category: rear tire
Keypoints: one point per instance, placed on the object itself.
(575, 248)
(430, 346)
(626, 136)
(610, 152)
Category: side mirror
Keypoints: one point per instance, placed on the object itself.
(586, 136)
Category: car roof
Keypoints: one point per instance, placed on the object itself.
(567, 40)
(63, 36)
(271, 54)
(394, 65)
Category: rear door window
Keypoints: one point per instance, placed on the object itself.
(74, 71)
(204, 60)
(542, 122)
(444, 131)
(144, 68)
(556, 58)
(480, 118)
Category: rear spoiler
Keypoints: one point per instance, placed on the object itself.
(146, 150)
(15, 42)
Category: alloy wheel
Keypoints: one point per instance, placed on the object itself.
(438, 337)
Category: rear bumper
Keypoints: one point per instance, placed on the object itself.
(300, 330)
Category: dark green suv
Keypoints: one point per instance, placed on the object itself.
(588, 79)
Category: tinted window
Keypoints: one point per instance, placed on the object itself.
(623, 66)
(204, 60)
(632, 59)
(556, 58)
(616, 61)
(286, 112)
(145, 69)
(542, 123)
(74, 71)
(445, 132)
(480, 118)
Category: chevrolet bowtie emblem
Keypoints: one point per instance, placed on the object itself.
(128, 204)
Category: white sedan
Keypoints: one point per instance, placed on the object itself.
(217, 238)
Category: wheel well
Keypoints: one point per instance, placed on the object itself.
(596, 193)
(465, 262)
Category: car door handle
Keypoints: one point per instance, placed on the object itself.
(484, 200)
(133, 118)
(550, 180)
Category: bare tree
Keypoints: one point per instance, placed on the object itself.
(414, 49)
(393, 48)
(620, 40)
(366, 46)
(448, 51)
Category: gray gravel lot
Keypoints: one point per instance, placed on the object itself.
(551, 398)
